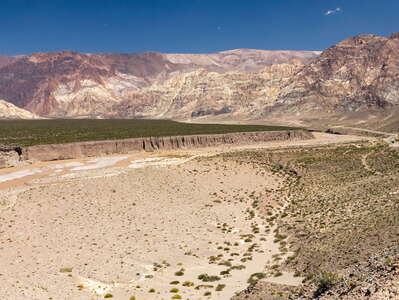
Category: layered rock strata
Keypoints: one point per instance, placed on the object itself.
(98, 148)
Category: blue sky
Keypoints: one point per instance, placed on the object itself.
(192, 26)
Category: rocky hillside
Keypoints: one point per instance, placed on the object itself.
(355, 80)
(10, 111)
(360, 73)
(75, 84)
(202, 93)
(241, 59)
(6, 60)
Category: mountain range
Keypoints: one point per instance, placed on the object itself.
(353, 82)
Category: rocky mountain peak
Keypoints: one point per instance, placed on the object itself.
(359, 40)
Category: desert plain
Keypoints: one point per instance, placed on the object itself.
(184, 224)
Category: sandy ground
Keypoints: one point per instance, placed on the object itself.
(143, 225)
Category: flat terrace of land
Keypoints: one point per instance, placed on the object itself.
(38, 132)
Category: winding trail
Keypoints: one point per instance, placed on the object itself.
(367, 166)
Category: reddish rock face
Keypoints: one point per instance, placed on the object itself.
(6, 60)
(74, 84)
(359, 73)
(29, 82)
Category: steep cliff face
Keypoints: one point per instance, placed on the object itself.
(72, 84)
(87, 149)
(360, 73)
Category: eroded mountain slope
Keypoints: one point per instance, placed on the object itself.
(352, 83)
(74, 84)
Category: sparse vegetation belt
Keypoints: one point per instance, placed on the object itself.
(341, 223)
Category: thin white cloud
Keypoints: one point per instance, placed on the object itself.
(333, 11)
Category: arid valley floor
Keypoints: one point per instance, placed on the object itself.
(287, 219)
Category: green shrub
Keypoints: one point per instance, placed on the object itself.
(180, 272)
(188, 283)
(325, 281)
(66, 270)
(204, 286)
(255, 277)
(207, 278)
